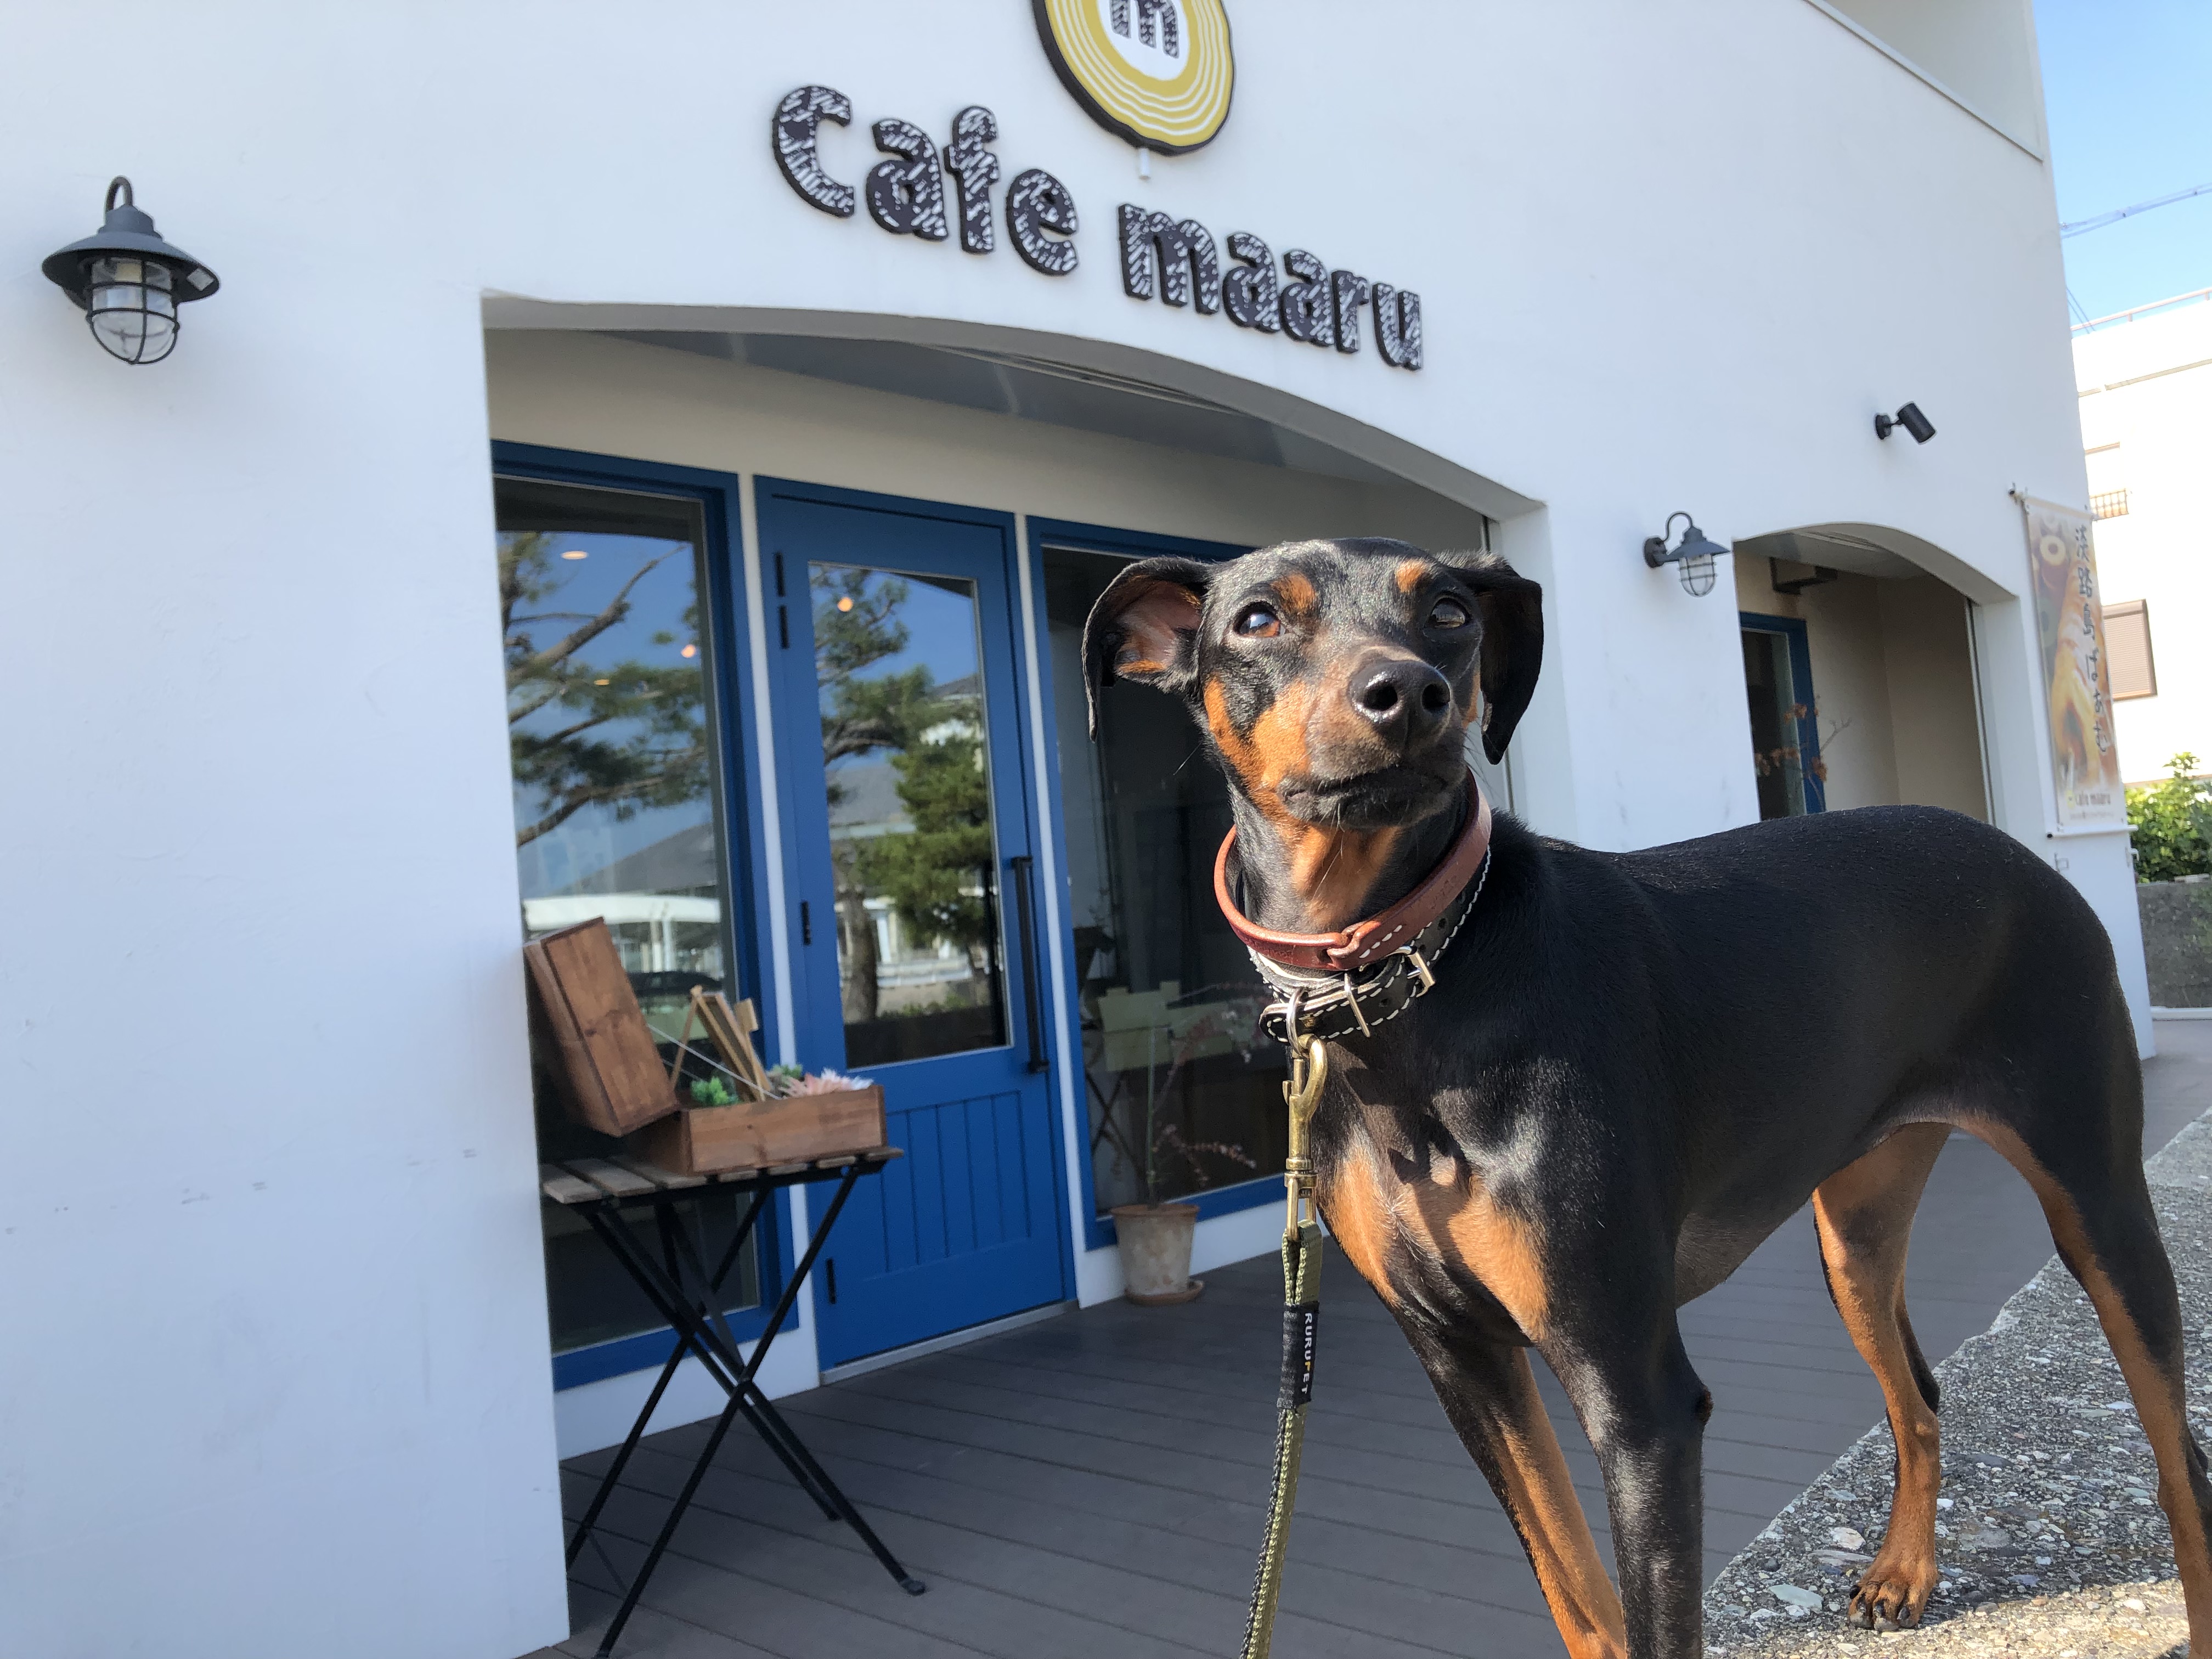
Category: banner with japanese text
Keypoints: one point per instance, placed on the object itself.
(2070, 624)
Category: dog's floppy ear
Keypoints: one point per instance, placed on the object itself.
(1144, 628)
(1512, 643)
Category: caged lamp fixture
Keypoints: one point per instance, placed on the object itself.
(1692, 556)
(129, 282)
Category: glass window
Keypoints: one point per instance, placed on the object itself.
(898, 665)
(1184, 1091)
(2128, 652)
(610, 665)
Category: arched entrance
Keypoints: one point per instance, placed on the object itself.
(911, 850)
(1859, 675)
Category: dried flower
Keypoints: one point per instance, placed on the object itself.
(828, 1082)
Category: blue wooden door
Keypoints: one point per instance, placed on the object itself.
(900, 723)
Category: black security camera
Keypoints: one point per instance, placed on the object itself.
(1910, 417)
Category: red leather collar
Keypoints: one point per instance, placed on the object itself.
(1367, 942)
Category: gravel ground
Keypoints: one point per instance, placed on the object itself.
(2050, 1541)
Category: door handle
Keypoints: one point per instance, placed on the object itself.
(1025, 919)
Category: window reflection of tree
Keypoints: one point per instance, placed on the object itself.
(627, 735)
(597, 732)
(934, 869)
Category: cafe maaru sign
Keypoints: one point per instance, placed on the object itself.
(1158, 73)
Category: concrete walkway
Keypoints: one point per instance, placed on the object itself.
(2051, 1547)
(1095, 1486)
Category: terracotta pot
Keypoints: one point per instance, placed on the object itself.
(1155, 1242)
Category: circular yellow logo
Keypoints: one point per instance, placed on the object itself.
(1158, 72)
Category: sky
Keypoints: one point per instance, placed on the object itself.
(2128, 86)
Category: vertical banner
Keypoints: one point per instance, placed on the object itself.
(2069, 623)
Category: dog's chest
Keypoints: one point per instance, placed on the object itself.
(1426, 1228)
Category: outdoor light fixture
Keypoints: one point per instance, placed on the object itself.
(1908, 416)
(1694, 554)
(129, 282)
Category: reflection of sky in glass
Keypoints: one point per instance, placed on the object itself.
(593, 837)
(940, 623)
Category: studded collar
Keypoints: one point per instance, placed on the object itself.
(1333, 985)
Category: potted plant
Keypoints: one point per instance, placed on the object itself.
(1154, 1239)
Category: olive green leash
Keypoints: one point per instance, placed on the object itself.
(1301, 1313)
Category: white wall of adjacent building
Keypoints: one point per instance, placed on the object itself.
(276, 1358)
(2146, 396)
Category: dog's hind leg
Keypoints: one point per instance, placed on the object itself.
(1863, 1214)
(2098, 1204)
(1489, 1393)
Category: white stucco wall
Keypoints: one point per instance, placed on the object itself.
(608, 397)
(1983, 50)
(1927, 660)
(1850, 679)
(275, 1362)
(2146, 395)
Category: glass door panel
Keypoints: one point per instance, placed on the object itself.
(906, 745)
(1776, 716)
(610, 669)
(1184, 1094)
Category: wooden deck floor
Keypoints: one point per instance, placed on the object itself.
(1093, 1487)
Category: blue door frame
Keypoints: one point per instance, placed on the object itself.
(1792, 629)
(717, 493)
(968, 1226)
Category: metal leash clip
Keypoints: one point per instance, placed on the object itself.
(1302, 1094)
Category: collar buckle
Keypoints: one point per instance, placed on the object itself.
(1351, 998)
(1421, 969)
(1355, 1002)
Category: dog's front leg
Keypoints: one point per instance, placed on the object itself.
(1489, 1393)
(1645, 1410)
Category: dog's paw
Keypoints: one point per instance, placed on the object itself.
(1893, 1592)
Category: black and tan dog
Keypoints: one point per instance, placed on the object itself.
(1583, 1126)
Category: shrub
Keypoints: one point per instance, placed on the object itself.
(2170, 824)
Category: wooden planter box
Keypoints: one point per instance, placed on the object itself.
(609, 1067)
(750, 1135)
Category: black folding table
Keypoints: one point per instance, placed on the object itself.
(686, 1292)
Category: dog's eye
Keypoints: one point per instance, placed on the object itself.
(1449, 613)
(1258, 622)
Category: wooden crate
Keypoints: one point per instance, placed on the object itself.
(609, 1067)
(750, 1135)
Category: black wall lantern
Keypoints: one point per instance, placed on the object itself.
(1908, 416)
(1693, 556)
(129, 282)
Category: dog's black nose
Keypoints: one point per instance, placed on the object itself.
(1403, 698)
